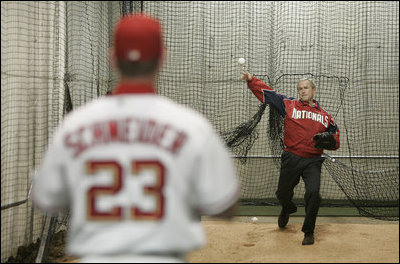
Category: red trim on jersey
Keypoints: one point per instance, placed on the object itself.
(134, 88)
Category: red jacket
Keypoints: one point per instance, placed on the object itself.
(301, 120)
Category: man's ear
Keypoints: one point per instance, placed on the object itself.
(315, 92)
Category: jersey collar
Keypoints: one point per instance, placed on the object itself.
(134, 88)
(316, 104)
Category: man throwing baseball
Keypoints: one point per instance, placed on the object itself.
(308, 130)
(136, 169)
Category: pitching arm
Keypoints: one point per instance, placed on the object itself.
(266, 94)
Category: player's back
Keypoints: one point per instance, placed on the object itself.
(138, 167)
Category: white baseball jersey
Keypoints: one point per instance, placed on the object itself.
(136, 169)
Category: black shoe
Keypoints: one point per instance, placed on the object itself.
(308, 239)
(283, 219)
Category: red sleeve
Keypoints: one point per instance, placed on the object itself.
(257, 86)
(267, 95)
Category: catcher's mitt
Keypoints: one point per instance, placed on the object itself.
(325, 140)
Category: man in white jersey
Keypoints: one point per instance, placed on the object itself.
(136, 169)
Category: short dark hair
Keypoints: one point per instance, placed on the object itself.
(137, 68)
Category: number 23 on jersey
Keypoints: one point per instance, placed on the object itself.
(116, 170)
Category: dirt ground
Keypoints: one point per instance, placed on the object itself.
(337, 240)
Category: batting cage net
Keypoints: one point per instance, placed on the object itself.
(54, 58)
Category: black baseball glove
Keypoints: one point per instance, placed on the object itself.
(325, 140)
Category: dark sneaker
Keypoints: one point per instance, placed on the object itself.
(283, 219)
(308, 239)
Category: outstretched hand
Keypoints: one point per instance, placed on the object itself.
(246, 76)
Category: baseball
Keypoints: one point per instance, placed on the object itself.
(242, 61)
(254, 219)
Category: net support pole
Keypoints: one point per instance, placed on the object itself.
(45, 240)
